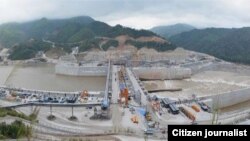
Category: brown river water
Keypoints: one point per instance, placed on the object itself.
(43, 77)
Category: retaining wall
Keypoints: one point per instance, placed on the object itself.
(81, 70)
(217, 66)
(152, 73)
(230, 98)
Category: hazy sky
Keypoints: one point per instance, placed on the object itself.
(133, 13)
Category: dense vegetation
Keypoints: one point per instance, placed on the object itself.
(13, 33)
(63, 31)
(27, 50)
(167, 31)
(83, 32)
(120, 30)
(15, 130)
(228, 44)
(84, 45)
(11, 112)
(88, 44)
(110, 43)
(151, 44)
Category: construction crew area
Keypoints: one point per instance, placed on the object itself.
(141, 97)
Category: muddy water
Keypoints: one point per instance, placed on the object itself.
(42, 77)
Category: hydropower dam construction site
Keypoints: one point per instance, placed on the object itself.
(121, 93)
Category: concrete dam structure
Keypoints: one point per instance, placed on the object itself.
(69, 65)
(217, 66)
(85, 70)
(161, 73)
(230, 98)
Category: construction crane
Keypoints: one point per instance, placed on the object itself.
(105, 102)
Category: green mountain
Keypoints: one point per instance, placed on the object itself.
(63, 30)
(170, 30)
(13, 33)
(228, 44)
(26, 39)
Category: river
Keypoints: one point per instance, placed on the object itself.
(43, 77)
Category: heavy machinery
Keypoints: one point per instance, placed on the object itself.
(106, 103)
(124, 96)
(204, 106)
(151, 124)
(148, 116)
(84, 94)
(134, 119)
(149, 131)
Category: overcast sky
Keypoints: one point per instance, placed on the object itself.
(133, 13)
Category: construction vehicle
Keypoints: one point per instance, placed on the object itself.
(156, 105)
(151, 124)
(124, 96)
(149, 131)
(148, 116)
(84, 94)
(132, 110)
(134, 119)
(203, 106)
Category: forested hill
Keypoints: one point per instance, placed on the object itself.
(62, 30)
(170, 30)
(27, 39)
(228, 44)
(13, 33)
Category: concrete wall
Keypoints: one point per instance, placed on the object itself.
(217, 66)
(152, 73)
(227, 98)
(81, 70)
(230, 98)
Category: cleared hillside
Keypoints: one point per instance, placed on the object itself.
(27, 39)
